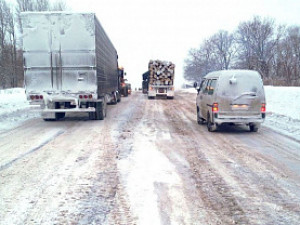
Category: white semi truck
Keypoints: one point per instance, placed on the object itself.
(160, 79)
(70, 64)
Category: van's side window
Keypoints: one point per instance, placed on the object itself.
(203, 85)
(212, 86)
(206, 88)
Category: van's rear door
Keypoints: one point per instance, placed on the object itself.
(241, 95)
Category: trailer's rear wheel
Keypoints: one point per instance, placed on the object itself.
(100, 110)
(115, 99)
(60, 115)
(118, 97)
(125, 91)
(92, 115)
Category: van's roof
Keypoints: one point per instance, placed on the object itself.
(230, 73)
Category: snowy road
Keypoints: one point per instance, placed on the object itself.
(148, 162)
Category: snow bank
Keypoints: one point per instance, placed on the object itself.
(283, 101)
(14, 108)
(12, 100)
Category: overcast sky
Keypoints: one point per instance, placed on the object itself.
(166, 29)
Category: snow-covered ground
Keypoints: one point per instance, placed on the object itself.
(14, 108)
(283, 109)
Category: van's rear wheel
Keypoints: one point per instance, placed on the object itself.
(253, 128)
(200, 120)
(211, 127)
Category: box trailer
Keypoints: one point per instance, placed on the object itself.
(70, 65)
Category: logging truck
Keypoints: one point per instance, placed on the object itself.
(70, 65)
(161, 79)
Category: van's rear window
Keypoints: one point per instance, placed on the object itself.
(243, 83)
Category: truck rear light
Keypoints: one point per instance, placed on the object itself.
(263, 108)
(215, 108)
(41, 97)
(90, 96)
(32, 97)
(80, 96)
(85, 96)
(37, 97)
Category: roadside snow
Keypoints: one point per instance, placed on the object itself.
(283, 101)
(14, 108)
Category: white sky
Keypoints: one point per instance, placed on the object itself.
(166, 29)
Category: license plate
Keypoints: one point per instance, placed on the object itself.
(239, 107)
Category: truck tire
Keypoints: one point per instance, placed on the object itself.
(60, 115)
(118, 97)
(126, 92)
(100, 110)
(115, 99)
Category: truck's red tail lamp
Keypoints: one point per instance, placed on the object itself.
(215, 108)
(85, 96)
(36, 97)
(263, 108)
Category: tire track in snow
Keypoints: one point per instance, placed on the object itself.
(32, 150)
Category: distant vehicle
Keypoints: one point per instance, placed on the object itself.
(161, 79)
(145, 83)
(124, 87)
(70, 65)
(129, 88)
(231, 96)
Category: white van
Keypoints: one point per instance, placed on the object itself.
(231, 96)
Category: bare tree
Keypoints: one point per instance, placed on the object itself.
(224, 49)
(42, 5)
(256, 43)
(59, 5)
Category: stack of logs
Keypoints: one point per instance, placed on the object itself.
(161, 72)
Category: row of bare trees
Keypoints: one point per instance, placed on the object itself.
(258, 44)
(11, 68)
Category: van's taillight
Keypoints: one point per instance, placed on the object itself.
(263, 108)
(215, 108)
